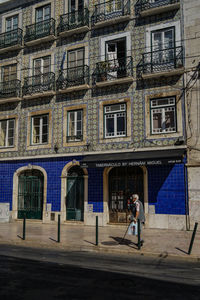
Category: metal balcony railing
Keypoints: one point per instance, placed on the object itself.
(11, 38)
(74, 138)
(143, 5)
(109, 10)
(162, 60)
(72, 20)
(10, 89)
(39, 83)
(40, 30)
(114, 69)
(73, 77)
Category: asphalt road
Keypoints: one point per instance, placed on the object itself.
(27, 273)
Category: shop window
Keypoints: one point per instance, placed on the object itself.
(115, 120)
(7, 128)
(163, 115)
(39, 129)
(74, 126)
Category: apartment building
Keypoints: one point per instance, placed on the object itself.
(92, 110)
(192, 96)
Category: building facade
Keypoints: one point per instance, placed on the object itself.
(192, 96)
(92, 110)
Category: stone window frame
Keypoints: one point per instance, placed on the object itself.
(66, 5)
(66, 109)
(74, 47)
(40, 55)
(10, 14)
(12, 62)
(104, 40)
(16, 118)
(179, 117)
(161, 26)
(104, 103)
(41, 4)
(31, 114)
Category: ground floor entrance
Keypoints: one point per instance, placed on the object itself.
(75, 194)
(30, 195)
(123, 182)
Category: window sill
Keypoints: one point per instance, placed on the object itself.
(115, 139)
(38, 146)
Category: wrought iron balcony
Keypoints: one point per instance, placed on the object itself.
(111, 12)
(77, 21)
(44, 30)
(41, 85)
(162, 61)
(114, 71)
(75, 138)
(11, 40)
(148, 7)
(10, 89)
(76, 78)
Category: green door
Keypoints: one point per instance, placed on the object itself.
(30, 197)
(75, 198)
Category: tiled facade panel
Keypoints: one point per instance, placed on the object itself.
(53, 169)
(95, 189)
(166, 189)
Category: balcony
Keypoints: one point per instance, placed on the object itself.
(10, 91)
(160, 63)
(146, 8)
(73, 79)
(112, 72)
(42, 85)
(11, 40)
(40, 32)
(74, 23)
(110, 13)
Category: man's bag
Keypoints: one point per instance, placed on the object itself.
(133, 228)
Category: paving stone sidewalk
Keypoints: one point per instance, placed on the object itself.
(76, 237)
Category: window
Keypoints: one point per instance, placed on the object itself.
(43, 13)
(75, 64)
(9, 73)
(42, 65)
(76, 5)
(7, 128)
(39, 129)
(75, 125)
(113, 6)
(163, 115)
(163, 43)
(115, 120)
(12, 23)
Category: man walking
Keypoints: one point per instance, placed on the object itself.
(137, 210)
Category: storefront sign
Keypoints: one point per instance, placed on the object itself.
(156, 162)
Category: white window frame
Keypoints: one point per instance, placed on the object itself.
(11, 17)
(7, 129)
(163, 26)
(10, 14)
(104, 40)
(163, 108)
(75, 122)
(114, 114)
(42, 8)
(40, 129)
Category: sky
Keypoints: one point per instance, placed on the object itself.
(2, 1)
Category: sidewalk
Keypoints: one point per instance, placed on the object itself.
(77, 237)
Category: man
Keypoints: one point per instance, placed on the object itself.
(137, 212)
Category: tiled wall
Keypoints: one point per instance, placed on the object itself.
(166, 188)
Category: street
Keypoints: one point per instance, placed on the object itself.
(27, 273)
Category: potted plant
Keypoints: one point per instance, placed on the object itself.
(103, 68)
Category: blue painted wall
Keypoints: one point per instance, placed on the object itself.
(167, 189)
(166, 184)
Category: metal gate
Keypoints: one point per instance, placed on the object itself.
(123, 182)
(30, 196)
(75, 195)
